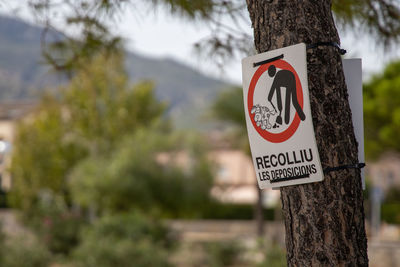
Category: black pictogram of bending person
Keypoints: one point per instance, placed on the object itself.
(287, 80)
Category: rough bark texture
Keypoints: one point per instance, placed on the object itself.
(324, 221)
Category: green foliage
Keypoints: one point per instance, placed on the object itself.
(381, 18)
(3, 199)
(100, 106)
(125, 240)
(23, 252)
(189, 8)
(135, 177)
(104, 148)
(393, 195)
(391, 213)
(88, 118)
(41, 155)
(229, 107)
(2, 244)
(382, 111)
(55, 224)
(219, 254)
(391, 206)
(274, 256)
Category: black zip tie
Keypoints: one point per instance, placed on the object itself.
(350, 166)
(267, 61)
(326, 170)
(307, 175)
(334, 44)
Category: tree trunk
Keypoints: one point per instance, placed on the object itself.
(258, 212)
(324, 221)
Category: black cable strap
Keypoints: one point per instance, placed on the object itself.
(326, 170)
(334, 44)
(307, 175)
(350, 166)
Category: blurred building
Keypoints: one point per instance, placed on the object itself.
(235, 179)
(385, 172)
(10, 113)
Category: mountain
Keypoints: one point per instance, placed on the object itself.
(23, 75)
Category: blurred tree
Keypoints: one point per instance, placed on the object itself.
(393, 195)
(229, 108)
(104, 147)
(2, 244)
(382, 111)
(391, 206)
(21, 251)
(125, 240)
(56, 225)
(143, 173)
(41, 156)
(273, 256)
(380, 18)
(224, 253)
(100, 106)
(88, 117)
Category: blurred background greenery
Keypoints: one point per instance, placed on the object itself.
(116, 159)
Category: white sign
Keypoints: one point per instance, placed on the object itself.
(353, 74)
(278, 118)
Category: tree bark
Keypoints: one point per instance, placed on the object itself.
(324, 221)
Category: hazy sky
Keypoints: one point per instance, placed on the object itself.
(159, 35)
(156, 34)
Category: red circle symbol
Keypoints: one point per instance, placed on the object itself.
(286, 134)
